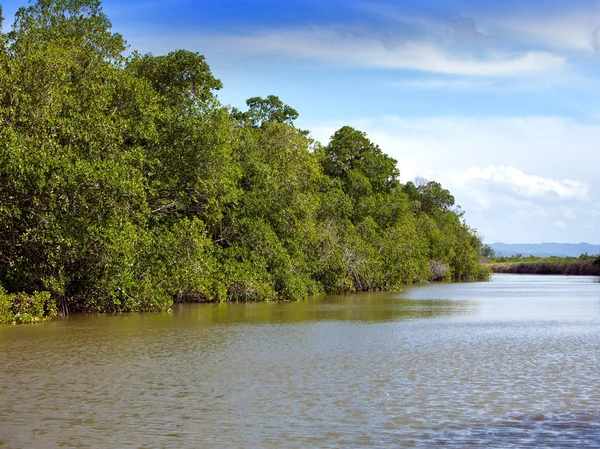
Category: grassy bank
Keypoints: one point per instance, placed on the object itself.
(576, 266)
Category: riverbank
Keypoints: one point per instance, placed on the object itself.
(556, 265)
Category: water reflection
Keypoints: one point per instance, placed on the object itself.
(373, 307)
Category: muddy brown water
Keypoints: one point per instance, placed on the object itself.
(514, 362)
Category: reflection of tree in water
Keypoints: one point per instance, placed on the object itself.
(367, 307)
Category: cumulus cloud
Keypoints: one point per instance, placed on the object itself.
(506, 204)
(520, 183)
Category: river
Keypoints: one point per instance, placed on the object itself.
(514, 362)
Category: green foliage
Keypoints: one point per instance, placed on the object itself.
(488, 252)
(359, 163)
(20, 308)
(405, 233)
(266, 110)
(125, 185)
(182, 78)
(73, 24)
(429, 196)
(273, 220)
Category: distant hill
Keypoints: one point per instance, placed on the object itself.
(545, 249)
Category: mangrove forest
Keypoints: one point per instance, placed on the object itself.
(125, 185)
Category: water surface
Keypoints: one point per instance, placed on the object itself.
(508, 363)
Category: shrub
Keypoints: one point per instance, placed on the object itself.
(21, 308)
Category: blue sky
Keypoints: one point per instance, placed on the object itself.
(499, 101)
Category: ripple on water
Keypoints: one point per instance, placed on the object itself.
(448, 377)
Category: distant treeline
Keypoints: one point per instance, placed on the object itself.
(547, 249)
(125, 185)
(583, 265)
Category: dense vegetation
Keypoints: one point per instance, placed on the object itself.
(583, 265)
(125, 185)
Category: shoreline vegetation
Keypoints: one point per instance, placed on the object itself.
(583, 265)
(125, 185)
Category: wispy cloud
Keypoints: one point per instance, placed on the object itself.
(400, 37)
(561, 25)
(451, 29)
(352, 48)
(573, 27)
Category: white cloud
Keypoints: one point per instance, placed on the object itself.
(362, 48)
(570, 28)
(521, 184)
(507, 204)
